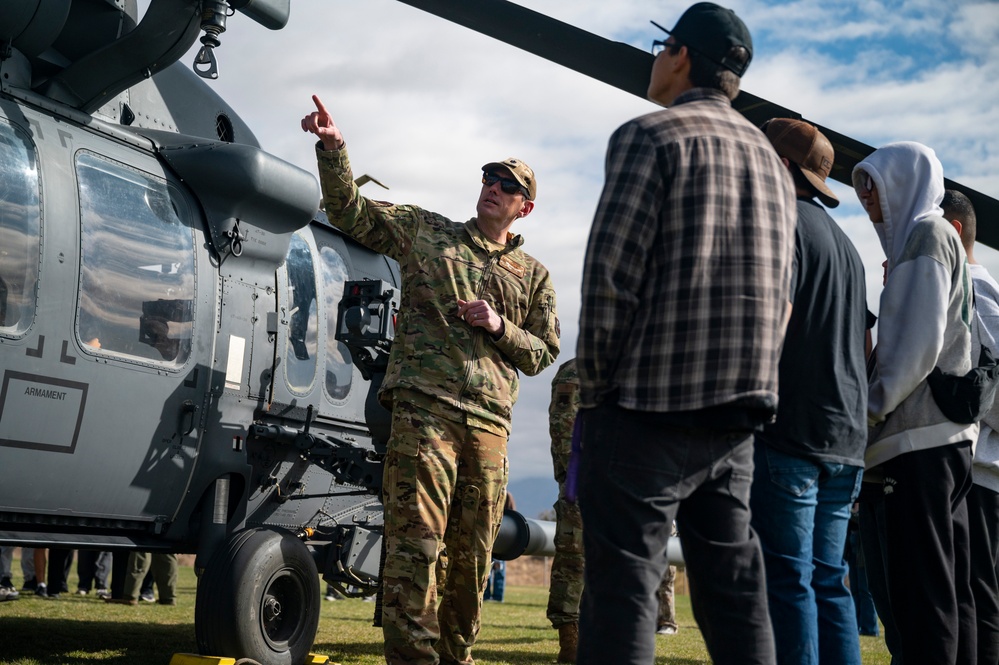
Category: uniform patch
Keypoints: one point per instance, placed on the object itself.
(564, 394)
(517, 269)
(558, 329)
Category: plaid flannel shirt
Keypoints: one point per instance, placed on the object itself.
(686, 277)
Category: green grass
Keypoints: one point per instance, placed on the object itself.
(82, 629)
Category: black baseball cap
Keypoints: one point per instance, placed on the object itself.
(712, 30)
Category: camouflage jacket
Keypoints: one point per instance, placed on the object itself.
(562, 416)
(438, 360)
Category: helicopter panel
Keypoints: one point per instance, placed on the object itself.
(116, 303)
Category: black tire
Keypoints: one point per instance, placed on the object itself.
(259, 599)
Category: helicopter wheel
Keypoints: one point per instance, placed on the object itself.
(259, 599)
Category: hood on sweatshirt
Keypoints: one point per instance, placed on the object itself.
(910, 183)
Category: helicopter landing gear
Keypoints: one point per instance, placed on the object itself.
(259, 599)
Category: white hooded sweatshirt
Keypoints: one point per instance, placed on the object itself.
(925, 317)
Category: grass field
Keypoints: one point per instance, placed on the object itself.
(80, 630)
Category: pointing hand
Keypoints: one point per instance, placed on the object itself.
(320, 123)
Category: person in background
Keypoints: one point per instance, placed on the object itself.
(33, 560)
(566, 587)
(94, 570)
(7, 589)
(496, 581)
(666, 621)
(164, 568)
(922, 458)
(983, 497)
(867, 615)
(809, 462)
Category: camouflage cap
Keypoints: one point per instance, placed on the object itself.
(520, 171)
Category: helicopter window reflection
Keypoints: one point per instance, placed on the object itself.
(338, 367)
(303, 321)
(137, 265)
(20, 224)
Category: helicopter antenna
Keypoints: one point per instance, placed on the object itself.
(213, 17)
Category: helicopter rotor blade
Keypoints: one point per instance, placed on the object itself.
(628, 68)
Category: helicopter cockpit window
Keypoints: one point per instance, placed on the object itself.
(137, 285)
(339, 370)
(20, 224)
(303, 319)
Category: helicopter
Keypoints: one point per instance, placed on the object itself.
(191, 352)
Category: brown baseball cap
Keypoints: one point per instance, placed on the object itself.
(804, 145)
(520, 171)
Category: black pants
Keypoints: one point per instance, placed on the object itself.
(638, 473)
(928, 560)
(60, 565)
(874, 543)
(983, 516)
(94, 569)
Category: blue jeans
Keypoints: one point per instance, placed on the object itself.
(496, 582)
(801, 510)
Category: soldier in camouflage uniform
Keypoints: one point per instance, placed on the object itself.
(567, 566)
(566, 587)
(475, 309)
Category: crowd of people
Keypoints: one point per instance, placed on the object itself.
(120, 577)
(725, 391)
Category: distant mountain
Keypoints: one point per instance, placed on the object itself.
(534, 496)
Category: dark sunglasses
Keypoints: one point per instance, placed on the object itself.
(508, 185)
(660, 45)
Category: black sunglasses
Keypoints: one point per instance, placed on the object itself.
(660, 45)
(508, 185)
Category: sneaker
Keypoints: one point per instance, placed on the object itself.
(7, 589)
(40, 590)
(30, 585)
(82, 592)
(147, 598)
(103, 594)
(666, 630)
(52, 596)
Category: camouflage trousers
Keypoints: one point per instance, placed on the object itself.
(444, 491)
(567, 571)
(667, 608)
(567, 567)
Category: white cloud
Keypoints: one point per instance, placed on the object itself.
(424, 103)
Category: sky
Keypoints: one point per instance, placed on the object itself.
(424, 103)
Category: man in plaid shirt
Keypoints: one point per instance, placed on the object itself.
(684, 305)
